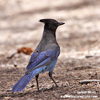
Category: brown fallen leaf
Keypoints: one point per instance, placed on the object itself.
(25, 50)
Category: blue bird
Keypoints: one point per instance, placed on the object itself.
(44, 57)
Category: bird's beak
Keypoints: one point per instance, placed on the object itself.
(60, 23)
(41, 20)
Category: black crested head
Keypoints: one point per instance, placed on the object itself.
(51, 24)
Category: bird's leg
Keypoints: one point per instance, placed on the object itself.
(37, 82)
(50, 75)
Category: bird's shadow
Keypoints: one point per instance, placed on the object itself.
(11, 94)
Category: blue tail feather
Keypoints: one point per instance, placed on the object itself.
(21, 84)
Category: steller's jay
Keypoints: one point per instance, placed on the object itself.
(44, 57)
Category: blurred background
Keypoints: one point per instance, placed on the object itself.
(20, 27)
(19, 24)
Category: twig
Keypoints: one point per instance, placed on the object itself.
(88, 81)
(88, 56)
(11, 55)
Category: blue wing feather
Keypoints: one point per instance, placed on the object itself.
(41, 58)
(34, 61)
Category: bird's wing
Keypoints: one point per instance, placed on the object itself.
(41, 59)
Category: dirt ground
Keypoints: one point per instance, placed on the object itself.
(78, 39)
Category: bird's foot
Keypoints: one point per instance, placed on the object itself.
(54, 86)
(38, 90)
(57, 86)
